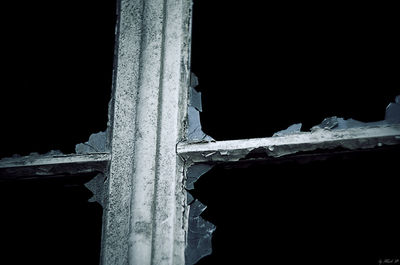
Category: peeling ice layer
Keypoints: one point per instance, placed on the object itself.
(97, 143)
(195, 133)
(199, 234)
(200, 230)
(194, 173)
(392, 116)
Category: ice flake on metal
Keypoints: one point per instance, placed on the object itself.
(32, 156)
(393, 112)
(97, 143)
(194, 95)
(194, 173)
(335, 123)
(329, 123)
(199, 230)
(292, 129)
(189, 198)
(96, 186)
(195, 133)
(199, 234)
(392, 116)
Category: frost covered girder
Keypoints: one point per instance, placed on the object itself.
(39, 166)
(235, 150)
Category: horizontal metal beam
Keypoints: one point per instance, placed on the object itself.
(272, 147)
(39, 166)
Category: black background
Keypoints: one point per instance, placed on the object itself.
(342, 210)
(56, 73)
(263, 68)
(56, 76)
(49, 222)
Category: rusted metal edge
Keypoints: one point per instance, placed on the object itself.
(39, 166)
(273, 147)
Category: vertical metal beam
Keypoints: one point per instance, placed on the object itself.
(143, 217)
(169, 223)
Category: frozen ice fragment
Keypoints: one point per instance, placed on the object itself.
(199, 234)
(195, 99)
(294, 128)
(195, 134)
(194, 173)
(97, 143)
